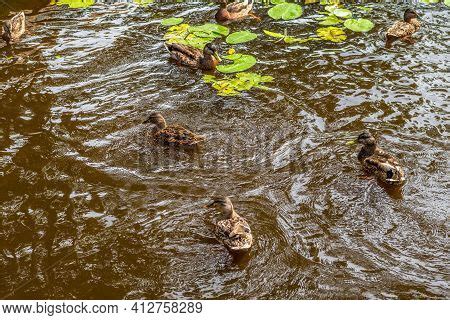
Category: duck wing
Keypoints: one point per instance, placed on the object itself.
(235, 234)
(184, 54)
(401, 29)
(238, 7)
(176, 134)
(385, 168)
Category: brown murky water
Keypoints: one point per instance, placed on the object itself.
(90, 210)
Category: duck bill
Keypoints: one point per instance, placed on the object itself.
(216, 55)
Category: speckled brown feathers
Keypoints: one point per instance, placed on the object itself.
(193, 57)
(233, 11)
(14, 28)
(403, 30)
(177, 135)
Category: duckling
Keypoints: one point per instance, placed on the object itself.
(173, 134)
(193, 57)
(234, 232)
(234, 11)
(14, 28)
(378, 162)
(403, 29)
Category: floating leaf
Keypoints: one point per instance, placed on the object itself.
(211, 29)
(241, 37)
(241, 62)
(359, 25)
(231, 51)
(447, 3)
(277, 1)
(76, 4)
(330, 21)
(274, 34)
(429, 1)
(243, 81)
(196, 36)
(366, 9)
(332, 34)
(285, 11)
(171, 21)
(342, 13)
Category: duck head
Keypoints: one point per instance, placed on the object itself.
(365, 138)
(157, 119)
(6, 32)
(224, 205)
(211, 50)
(409, 15)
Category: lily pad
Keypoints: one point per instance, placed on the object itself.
(333, 34)
(233, 85)
(285, 11)
(274, 34)
(241, 62)
(330, 21)
(171, 21)
(342, 13)
(359, 25)
(447, 3)
(241, 37)
(211, 29)
(76, 4)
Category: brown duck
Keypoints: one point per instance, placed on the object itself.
(234, 11)
(378, 162)
(208, 59)
(14, 28)
(172, 134)
(234, 232)
(403, 30)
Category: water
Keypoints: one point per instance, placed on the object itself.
(89, 209)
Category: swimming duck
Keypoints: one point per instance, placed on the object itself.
(233, 11)
(172, 134)
(14, 28)
(403, 29)
(208, 59)
(234, 232)
(378, 162)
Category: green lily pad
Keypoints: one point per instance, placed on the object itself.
(365, 9)
(447, 3)
(277, 1)
(233, 85)
(171, 21)
(333, 34)
(241, 37)
(241, 62)
(76, 4)
(330, 21)
(211, 29)
(274, 34)
(342, 13)
(359, 25)
(285, 11)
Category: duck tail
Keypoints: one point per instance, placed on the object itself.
(390, 39)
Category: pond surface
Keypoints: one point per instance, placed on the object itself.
(91, 210)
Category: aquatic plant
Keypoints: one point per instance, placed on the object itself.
(333, 34)
(195, 36)
(288, 39)
(241, 62)
(171, 21)
(76, 4)
(241, 37)
(359, 25)
(285, 11)
(243, 81)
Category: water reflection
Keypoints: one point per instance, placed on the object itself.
(91, 210)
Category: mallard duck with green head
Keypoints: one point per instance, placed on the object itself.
(206, 59)
(234, 231)
(14, 28)
(234, 11)
(403, 30)
(171, 134)
(378, 162)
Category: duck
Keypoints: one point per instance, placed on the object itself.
(234, 11)
(206, 60)
(14, 28)
(378, 162)
(234, 232)
(172, 134)
(403, 30)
